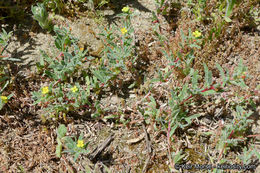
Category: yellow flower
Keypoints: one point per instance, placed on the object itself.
(80, 144)
(124, 30)
(196, 34)
(45, 90)
(74, 89)
(4, 99)
(125, 9)
(81, 49)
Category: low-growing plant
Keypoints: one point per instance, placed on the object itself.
(4, 100)
(67, 64)
(5, 74)
(75, 146)
(180, 64)
(199, 9)
(186, 52)
(180, 58)
(176, 158)
(235, 131)
(64, 39)
(180, 61)
(177, 112)
(41, 15)
(230, 6)
(119, 53)
(246, 156)
(66, 71)
(58, 98)
(4, 37)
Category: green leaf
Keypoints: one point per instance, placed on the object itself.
(178, 157)
(76, 156)
(184, 92)
(240, 83)
(257, 154)
(195, 77)
(209, 92)
(190, 118)
(5, 85)
(62, 130)
(132, 85)
(173, 128)
(50, 74)
(11, 59)
(222, 73)
(194, 45)
(227, 19)
(208, 76)
(58, 149)
(70, 144)
(230, 5)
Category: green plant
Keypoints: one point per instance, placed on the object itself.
(179, 117)
(61, 132)
(199, 9)
(230, 6)
(75, 147)
(66, 64)
(4, 37)
(177, 113)
(152, 113)
(234, 132)
(41, 15)
(246, 156)
(3, 100)
(176, 158)
(5, 75)
(119, 53)
(59, 99)
(182, 60)
(64, 39)
(238, 76)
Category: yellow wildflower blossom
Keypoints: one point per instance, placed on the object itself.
(45, 90)
(4, 99)
(81, 49)
(74, 89)
(124, 30)
(196, 34)
(125, 9)
(80, 144)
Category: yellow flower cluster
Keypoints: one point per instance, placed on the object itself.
(125, 9)
(123, 30)
(45, 90)
(196, 34)
(4, 99)
(74, 89)
(80, 144)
